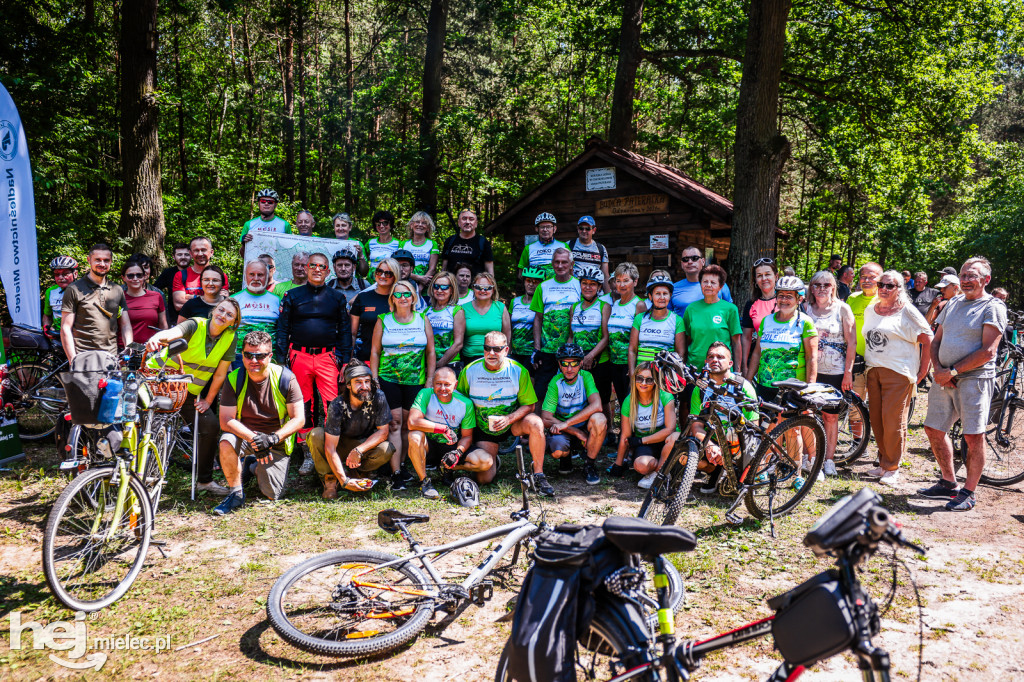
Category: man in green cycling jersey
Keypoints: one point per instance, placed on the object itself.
(719, 366)
(572, 409)
(538, 254)
(441, 425)
(65, 271)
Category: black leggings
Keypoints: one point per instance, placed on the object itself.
(209, 437)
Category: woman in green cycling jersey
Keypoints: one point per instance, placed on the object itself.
(446, 318)
(423, 249)
(522, 318)
(658, 328)
(588, 329)
(648, 426)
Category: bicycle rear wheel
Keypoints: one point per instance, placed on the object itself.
(39, 399)
(668, 494)
(91, 556)
(1004, 460)
(773, 475)
(854, 431)
(342, 604)
(156, 466)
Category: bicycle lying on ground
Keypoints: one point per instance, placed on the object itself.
(825, 616)
(361, 603)
(762, 461)
(99, 529)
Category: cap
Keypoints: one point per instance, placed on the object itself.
(402, 254)
(947, 280)
(587, 220)
(949, 271)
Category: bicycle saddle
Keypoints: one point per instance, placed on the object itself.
(637, 536)
(389, 519)
(794, 384)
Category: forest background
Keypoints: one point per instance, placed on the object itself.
(895, 131)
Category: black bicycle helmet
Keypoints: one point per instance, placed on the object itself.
(658, 279)
(63, 263)
(591, 273)
(569, 350)
(466, 491)
(347, 254)
(267, 194)
(404, 254)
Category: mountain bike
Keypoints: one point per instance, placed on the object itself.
(362, 603)
(99, 530)
(825, 616)
(32, 387)
(762, 461)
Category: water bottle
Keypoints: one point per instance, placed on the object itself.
(110, 400)
(131, 395)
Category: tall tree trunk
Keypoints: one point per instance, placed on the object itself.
(349, 94)
(182, 163)
(437, 22)
(300, 62)
(620, 128)
(761, 150)
(142, 211)
(288, 78)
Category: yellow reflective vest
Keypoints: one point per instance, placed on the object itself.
(194, 359)
(281, 377)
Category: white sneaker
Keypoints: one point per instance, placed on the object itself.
(647, 481)
(213, 488)
(890, 478)
(805, 467)
(829, 468)
(876, 472)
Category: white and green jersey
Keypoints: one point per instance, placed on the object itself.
(456, 414)
(564, 400)
(259, 313)
(53, 299)
(644, 425)
(555, 300)
(443, 323)
(351, 245)
(467, 299)
(403, 350)
(656, 335)
(620, 322)
(381, 250)
(496, 393)
(522, 326)
(258, 224)
(537, 255)
(421, 254)
(587, 326)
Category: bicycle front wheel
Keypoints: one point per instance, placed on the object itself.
(1004, 460)
(344, 604)
(668, 494)
(39, 399)
(854, 430)
(91, 552)
(776, 486)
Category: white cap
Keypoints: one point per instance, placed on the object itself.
(947, 280)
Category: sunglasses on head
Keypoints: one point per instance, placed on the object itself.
(569, 363)
(493, 349)
(690, 259)
(442, 287)
(402, 294)
(888, 286)
(644, 381)
(384, 273)
(254, 356)
(763, 261)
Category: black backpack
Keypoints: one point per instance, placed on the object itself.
(556, 603)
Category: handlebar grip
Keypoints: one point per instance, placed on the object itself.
(772, 407)
(879, 522)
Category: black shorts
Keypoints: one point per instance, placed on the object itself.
(399, 395)
(766, 393)
(435, 451)
(480, 436)
(620, 380)
(602, 373)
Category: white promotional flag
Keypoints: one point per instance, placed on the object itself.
(19, 257)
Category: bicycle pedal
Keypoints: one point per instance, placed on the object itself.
(482, 593)
(734, 518)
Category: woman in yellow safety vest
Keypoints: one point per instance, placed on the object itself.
(208, 358)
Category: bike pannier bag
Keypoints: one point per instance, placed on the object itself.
(23, 338)
(813, 621)
(82, 385)
(556, 603)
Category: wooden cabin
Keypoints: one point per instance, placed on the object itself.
(646, 212)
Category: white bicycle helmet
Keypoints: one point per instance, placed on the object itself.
(790, 283)
(267, 194)
(545, 217)
(466, 492)
(660, 280)
(591, 273)
(63, 263)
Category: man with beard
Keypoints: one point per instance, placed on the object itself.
(189, 282)
(182, 258)
(355, 435)
(260, 308)
(92, 307)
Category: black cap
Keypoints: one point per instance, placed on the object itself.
(836, 256)
(949, 271)
(402, 254)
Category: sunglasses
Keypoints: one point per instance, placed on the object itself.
(494, 349)
(442, 287)
(887, 286)
(402, 294)
(382, 223)
(584, 226)
(483, 287)
(255, 356)
(763, 261)
(569, 363)
(644, 381)
(384, 273)
(138, 276)
(267, 201)
(317, 266)
(690, 259)
(821, 285)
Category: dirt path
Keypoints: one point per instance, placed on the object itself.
(218, 572)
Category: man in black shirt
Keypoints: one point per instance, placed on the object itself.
(182, 259)
(356, 430)
(314, 337)
(921, 294)
(467, 247)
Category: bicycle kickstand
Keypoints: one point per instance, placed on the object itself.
(159, 544)
(730, 515)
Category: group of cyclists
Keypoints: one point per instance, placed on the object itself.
(425, 365)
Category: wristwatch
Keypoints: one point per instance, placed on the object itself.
(952, 372)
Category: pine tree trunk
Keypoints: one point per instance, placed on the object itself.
(761, 149)
(142, 208)
(288, 80)
(620, 128)
(437, 21)
(349, 94)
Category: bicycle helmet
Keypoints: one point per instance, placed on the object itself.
(466, 491)
(63, 263)
(267, 194)
(403, 254)
(569, 350)
(660, 280)
(545, 217)
(346, 254)
(672, 371)
(789, 283)
(534, 273)
(591, 273)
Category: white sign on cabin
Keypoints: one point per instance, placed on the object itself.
(600, 178)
